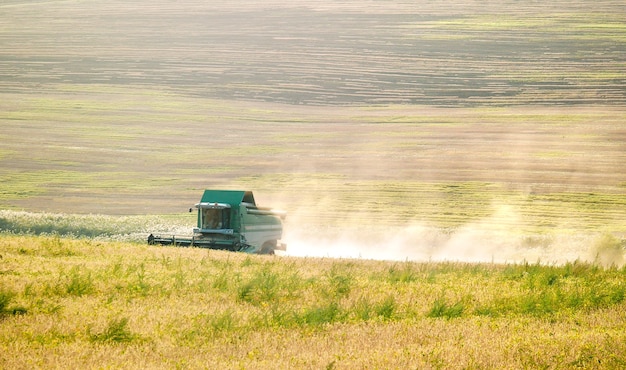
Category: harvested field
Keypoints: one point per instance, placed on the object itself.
(351, 114)
(452, 53)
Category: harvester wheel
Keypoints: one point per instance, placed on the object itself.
(268, 247)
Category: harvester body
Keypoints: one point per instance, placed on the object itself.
(231, 220)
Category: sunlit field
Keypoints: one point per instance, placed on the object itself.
(83, 303)
(453, 175)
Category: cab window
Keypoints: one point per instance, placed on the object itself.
(215, 218)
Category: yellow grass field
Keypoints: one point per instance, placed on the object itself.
(88, 304)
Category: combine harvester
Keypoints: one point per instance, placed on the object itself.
(230, 220)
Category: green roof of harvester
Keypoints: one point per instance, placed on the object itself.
(232, 197)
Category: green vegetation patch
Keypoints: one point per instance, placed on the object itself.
(16, 185)
(116, 331)
(20, 185)
(6, 307)
(538, 23)
(4, 153)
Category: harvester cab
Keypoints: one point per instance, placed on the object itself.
(231, 220)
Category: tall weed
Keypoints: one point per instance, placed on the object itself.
(263, 287)
(140, 284)
(222, 323)
(441, 308)
(387, 308)
(404, 274)
(5, 299)
(364, 310)
(320, 314)
(116, 331)
(77, 282)
(339, 283)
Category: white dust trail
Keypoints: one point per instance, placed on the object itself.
(495, 239)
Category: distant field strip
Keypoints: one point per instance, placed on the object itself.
(124, 151)
(448, 54)
(445, 205)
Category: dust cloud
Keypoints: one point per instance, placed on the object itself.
(495, 239)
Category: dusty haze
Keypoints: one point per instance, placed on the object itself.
(488, 241)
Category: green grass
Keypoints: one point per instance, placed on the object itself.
(5, 305)
(116, 331)
(441, 308)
